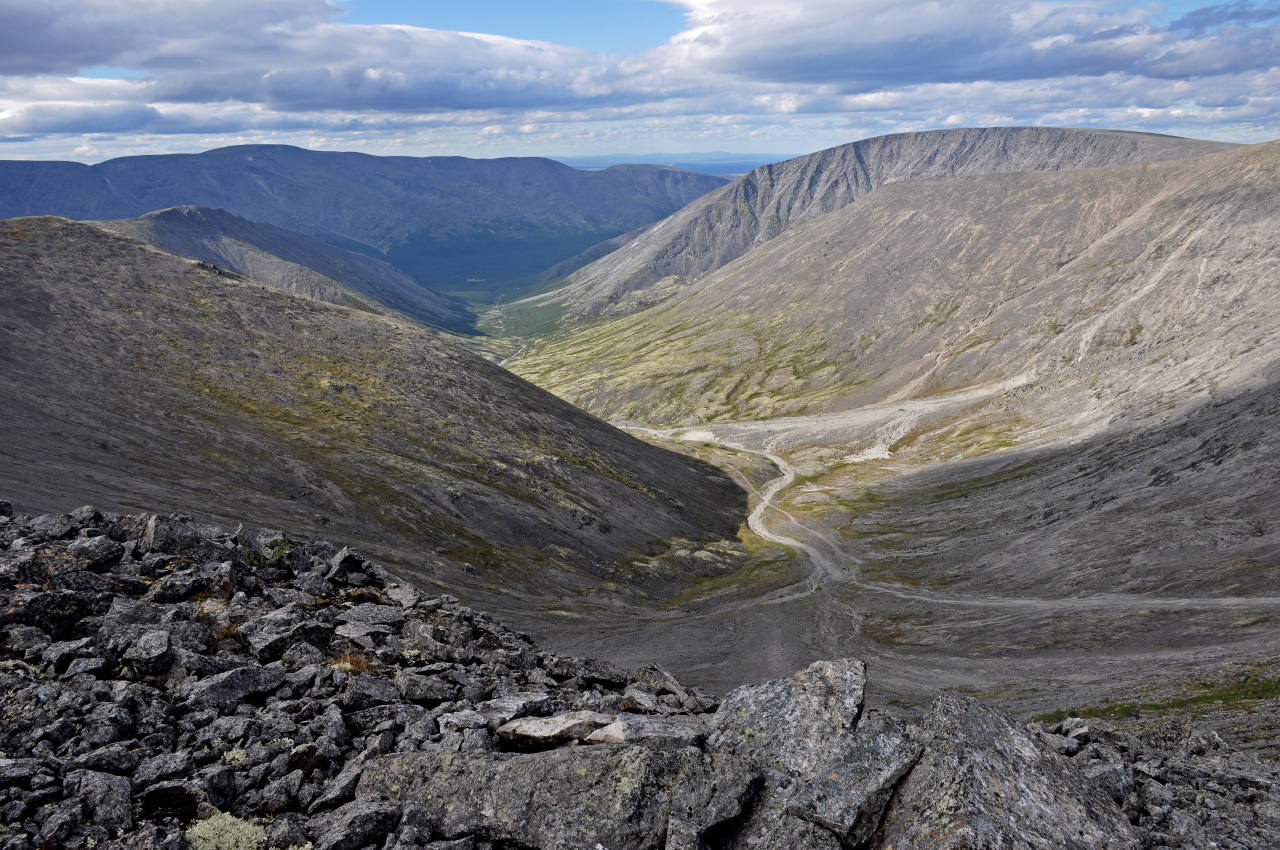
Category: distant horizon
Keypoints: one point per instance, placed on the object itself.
(599, 160)
(621, 158)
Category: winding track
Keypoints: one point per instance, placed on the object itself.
(826, 566)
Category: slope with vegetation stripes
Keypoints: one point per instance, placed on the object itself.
(1115, 286)
(999, 393)
(443, 220)
(291, 261)
(725, 224)
(133, 377)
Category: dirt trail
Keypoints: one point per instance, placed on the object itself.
(873, 428)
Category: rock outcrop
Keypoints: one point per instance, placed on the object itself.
(166, 684)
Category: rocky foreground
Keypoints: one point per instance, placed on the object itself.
(170, 685)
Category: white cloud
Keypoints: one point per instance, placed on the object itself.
(777, 74)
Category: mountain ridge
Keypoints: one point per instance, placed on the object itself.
(291, 261)
(726, 223)
(442, 220)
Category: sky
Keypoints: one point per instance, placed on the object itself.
(87, 80)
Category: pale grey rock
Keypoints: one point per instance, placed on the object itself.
(505, 709)
(848, 797)
(791, 724)
(651, 731)
(541, 732)
(576, 797)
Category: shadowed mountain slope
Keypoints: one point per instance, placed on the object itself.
(446, 221)
(292, 262)
(135, 378)
(725, 224)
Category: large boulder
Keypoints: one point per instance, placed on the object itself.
(984, 782)
(620, 797)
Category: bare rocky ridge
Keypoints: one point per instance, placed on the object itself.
(725, 224)
(168, 684)
(293, 262)
(445, 221)
(133, 377)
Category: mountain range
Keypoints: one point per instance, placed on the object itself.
(760, 205)
(293, 262)
(465, 226)
(1022, 416)
(970, 404)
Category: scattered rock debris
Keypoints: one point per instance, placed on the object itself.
(170, 685)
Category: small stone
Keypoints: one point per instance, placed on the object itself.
(341, 788)
(96, 553)
(49, 527)
(369, 612)
(366, 690)
(150, 654)
(115, 758)
(356, 824)
(162, 766)
(456, 721)
(108, 799)
(177, 587)
(428, 690)
(405, 597)
(504, 709)
(283, 793)
(342, 565)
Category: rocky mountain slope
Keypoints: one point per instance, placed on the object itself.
(1088, 277)
(1022, 418)
(133, 377)
(451, 223)
(292, 262)
(166, 684)
(723, 225)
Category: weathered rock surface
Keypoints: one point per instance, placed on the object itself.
(175, 720)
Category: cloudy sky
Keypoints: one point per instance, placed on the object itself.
(91, 79)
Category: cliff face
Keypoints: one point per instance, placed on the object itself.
(168, 684)
(725, 224)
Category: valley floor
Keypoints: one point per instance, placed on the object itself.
(1120, 648)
